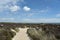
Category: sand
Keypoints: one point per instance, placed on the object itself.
(21, 35)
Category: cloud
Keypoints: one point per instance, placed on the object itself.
(14, 8)
(36, 12)
(42, 20)
(25, 8)
(8, 4)
(14, 2)
(40, 11)
(6, 19)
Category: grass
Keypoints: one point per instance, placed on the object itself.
(40, 35)
(7, 33)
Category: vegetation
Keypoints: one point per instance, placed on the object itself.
(40, 34)
(6, 33)
(36, 31)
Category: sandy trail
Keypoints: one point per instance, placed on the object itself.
(21, 35)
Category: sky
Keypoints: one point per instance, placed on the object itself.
(30, 11)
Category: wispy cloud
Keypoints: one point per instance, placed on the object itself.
(14, 8)
(7, 4)
(42, 20)
(37, 12)
(7, 19)
(41, 10)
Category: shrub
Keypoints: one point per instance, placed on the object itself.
(6, 34)
(40, 35)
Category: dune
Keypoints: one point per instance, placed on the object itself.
(21, 35)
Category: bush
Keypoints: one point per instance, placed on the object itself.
(40, 35)
(6, 34)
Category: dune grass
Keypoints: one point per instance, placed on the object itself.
(7, 33)
(40, 35)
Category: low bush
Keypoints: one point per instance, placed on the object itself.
(40, 35)
(6, 34)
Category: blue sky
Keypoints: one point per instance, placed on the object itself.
(30, 11)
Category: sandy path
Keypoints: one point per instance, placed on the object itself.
(21, 35)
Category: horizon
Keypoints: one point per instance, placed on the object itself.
(29, 23)
(30, 11)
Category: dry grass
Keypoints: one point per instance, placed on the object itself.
(6, 34)
(40, 35)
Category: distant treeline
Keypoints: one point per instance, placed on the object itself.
(33, 25)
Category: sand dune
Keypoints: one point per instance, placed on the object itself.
(21, 35)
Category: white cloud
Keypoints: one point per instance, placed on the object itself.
(6, 19)
(2, 2)
(42, 20)
(25, 8)
(6, 4)
(14, 8)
